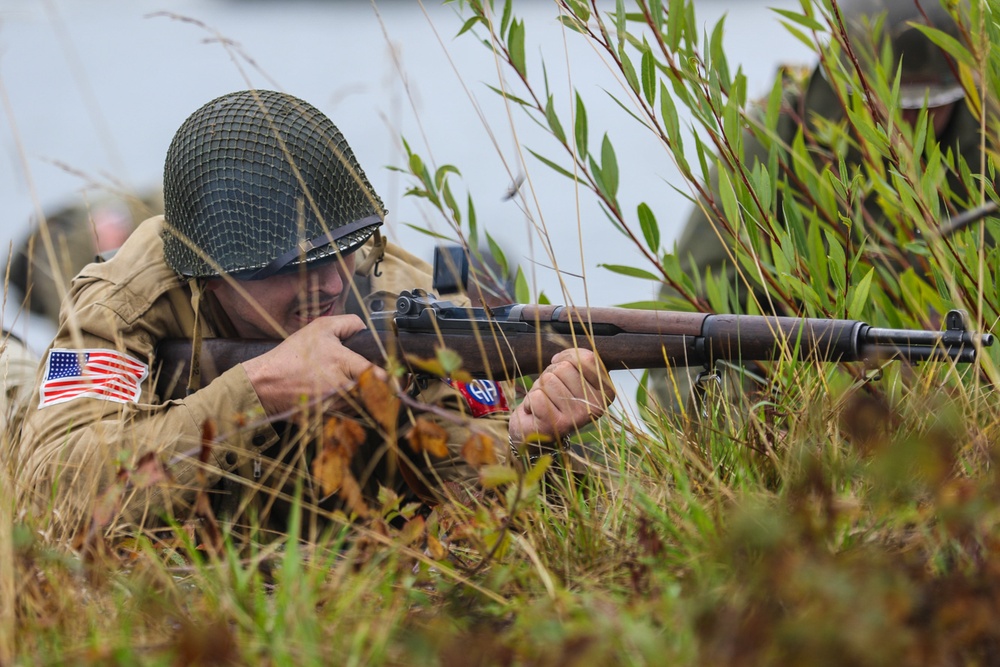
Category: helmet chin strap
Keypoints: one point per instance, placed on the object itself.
(374, 258)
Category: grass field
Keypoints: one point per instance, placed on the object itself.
(826, 517)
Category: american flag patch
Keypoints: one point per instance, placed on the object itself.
(103, 374)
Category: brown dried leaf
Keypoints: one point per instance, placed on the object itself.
(208, 526)
(343, 436)
(109, 503)
(426, 436)
(206, 643)
(149, 471)
(207, 440)
(436, 550)
(379, 399)
(205, 453)
(329, 468)
(412, 531)
(350, 493)
(480, 450)
(427, 366)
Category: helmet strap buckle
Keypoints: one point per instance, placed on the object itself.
(375, 257)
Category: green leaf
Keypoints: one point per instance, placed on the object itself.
(595, 173)
(806, 21)
(675, 24)
(452, 205)
(727, 193)
(668, 111)
(609, 167)
(650, 230)
(513, 98)
(442, 172)
(434, 235)
(522, 294)
(949, 44)
(498, 254)
(620, 17)
(860, 298)
(580, 9)
(555, 167)
(553, 120)
(508, 9)
(644, 305)
(491, 477)
(648, 74)
(656, 11)
(580, 128)
(450, 360)
(469, 25)
(537, 471)
(642, 392)
(629, 70)
(473, 226)
(630, 271)
(515, 46)
(572, 23)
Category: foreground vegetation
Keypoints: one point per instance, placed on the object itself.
(830, 519)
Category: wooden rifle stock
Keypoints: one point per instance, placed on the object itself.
(520, 339)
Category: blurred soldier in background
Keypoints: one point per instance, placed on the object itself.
(928, 81)
(79, 233)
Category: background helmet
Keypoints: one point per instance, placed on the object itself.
(256, 182)
(927, 76)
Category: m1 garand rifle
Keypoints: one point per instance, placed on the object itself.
(519, 339)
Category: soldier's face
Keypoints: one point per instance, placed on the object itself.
(285, 303)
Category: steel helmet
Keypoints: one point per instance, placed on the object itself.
(927, 75)
(257, 182)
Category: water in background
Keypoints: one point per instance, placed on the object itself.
(93, 92)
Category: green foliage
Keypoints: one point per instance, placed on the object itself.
(798, 513)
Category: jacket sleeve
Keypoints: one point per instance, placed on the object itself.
(71, 452)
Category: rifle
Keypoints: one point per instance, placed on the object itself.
(519, 339)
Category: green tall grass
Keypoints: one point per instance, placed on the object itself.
(829, 519)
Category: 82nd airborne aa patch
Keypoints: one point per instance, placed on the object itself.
(483, 397)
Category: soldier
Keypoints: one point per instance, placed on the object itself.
(270, 229)
(928, 81)
(78, 234)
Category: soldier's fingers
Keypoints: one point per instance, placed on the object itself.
(584, 363)
(544, 415)
(342, 326)
(567, 383)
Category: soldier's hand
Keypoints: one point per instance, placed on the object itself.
(573, 390)
(312, 362)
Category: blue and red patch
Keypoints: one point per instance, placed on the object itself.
(484, 397)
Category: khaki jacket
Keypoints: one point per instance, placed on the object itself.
(71, 452)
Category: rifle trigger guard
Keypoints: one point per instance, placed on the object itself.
(707, 375)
